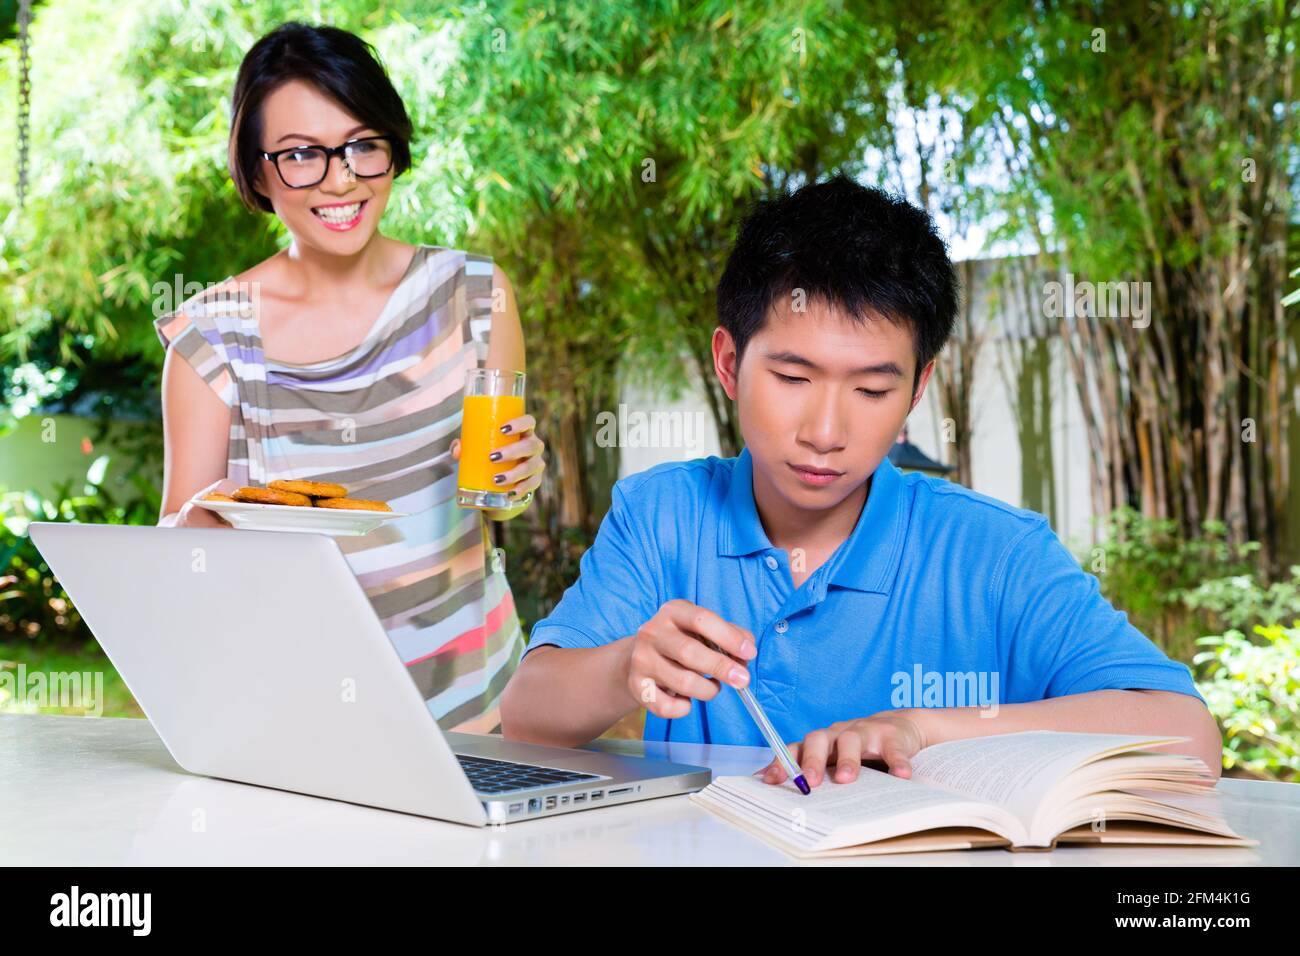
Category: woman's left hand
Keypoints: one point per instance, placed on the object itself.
(521, 461)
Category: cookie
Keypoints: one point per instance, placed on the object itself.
(352, 504)
(216, 496)
(269, 496)
(313, 489)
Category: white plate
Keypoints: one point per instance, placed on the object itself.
(335, 521)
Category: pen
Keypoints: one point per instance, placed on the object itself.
(769, 732)
(774, 740)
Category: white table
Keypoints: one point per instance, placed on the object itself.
(104, 791)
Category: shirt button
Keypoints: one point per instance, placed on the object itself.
(782, 626)
(771, 562)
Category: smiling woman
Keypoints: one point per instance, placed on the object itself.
(342, 359)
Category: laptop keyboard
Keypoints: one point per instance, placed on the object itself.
(502, 776)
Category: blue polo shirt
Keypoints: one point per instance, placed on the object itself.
(940, 597)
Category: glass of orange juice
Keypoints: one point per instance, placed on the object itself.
(493, 396)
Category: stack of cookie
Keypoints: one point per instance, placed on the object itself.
(302, 494)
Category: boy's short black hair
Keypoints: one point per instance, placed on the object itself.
(850, 246)
(338, 63)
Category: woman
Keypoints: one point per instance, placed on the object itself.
(342, 358)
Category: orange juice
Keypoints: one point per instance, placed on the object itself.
(480, 435)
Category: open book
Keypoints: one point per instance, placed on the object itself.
(1022, 791)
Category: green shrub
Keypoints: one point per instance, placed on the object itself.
(1240, 602)
(1145, 568)
(1252, 686)
(1254, 691)
(1200, 601)
(33, 604)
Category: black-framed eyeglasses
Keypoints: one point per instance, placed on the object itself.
(303, 166)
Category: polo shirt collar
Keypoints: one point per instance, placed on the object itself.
(866, 561)
(741, 531)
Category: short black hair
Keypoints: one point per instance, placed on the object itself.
(338, 63)
(850, 246)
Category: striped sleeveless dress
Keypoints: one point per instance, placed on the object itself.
(379, 420)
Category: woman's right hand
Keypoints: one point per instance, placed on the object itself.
(194, 516)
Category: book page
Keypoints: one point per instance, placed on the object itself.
(808, 846)
(873, 794)
(1015, 770)
(875, 806)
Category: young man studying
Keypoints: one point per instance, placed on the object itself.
(872, 613)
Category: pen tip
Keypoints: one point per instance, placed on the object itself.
(802, 784)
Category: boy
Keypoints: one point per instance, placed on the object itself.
(868, 609)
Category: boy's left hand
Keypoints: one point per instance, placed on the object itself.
(890, 736)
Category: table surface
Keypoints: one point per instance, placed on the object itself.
(105, 791)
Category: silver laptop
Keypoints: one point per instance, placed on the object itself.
(258, 658)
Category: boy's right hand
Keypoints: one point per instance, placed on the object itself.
(668, 656)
